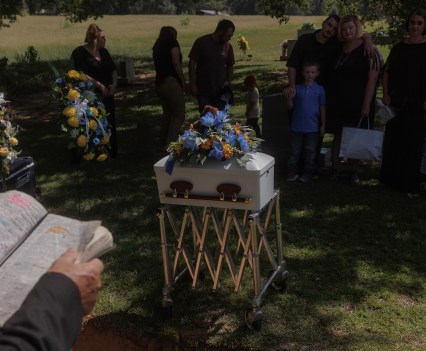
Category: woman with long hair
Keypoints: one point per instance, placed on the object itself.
(404, 88)
(352, 87)
(170, 84)
(94, 60)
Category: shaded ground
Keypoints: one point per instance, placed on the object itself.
(37, 110)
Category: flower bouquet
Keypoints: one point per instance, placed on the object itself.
(243, 44)
(8, 138)
(213, 136)
(85, 116)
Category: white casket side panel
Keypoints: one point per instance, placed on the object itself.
(256, 181)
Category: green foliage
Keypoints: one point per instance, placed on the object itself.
(185, 20)
(8, 12)
(307, 25)
(26, 74)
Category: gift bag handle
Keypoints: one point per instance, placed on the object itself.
(368, 122)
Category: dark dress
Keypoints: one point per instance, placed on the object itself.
(404, 135)
(101, 70)
(345, 90)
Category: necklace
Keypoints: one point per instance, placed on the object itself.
(342, 59)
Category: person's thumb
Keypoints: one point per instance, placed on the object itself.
(70, 255)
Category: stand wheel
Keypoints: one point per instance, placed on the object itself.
(255, 325)
(280, 285)
(168, 312)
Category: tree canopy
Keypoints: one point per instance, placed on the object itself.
(386, 16)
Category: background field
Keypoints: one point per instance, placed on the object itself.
(355, 255)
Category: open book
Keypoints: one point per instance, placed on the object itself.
(31, 239)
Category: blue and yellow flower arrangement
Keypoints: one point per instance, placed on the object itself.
(213, 136)
(85, 118)
(8, 139)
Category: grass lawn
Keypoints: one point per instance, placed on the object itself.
(356, 255)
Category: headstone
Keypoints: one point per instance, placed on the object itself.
(127, 71)
(276, 130)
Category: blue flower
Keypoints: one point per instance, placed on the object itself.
(243, 143)
(58, 80)
(230, 138)
(207, 120)
(220, 119)
(89, 84)
(189, 138)
(217, 150)
(96, 141)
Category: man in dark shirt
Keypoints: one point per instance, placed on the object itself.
(320, 46)
(211, 62)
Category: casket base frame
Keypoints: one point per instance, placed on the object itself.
(190, 244)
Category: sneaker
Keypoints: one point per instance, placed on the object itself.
(413, 195)
(304, 178)
(291, 177)
(355, 179)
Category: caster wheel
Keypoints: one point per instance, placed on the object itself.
(255, 325)
(280, 285)
(168, 312)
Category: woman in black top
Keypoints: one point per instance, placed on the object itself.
(95, 61)
(170, 84)
(404, 88)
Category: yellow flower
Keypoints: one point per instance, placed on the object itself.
(73, 95)
(13, 141)
(94, 111)
(227, 151)
(89, 156)
(206, 145)
(73, 122)
(69, 111)
(81, 141)
(4, 151)
(93, 124)
(105, 140)
(102, 157)
(73, 74)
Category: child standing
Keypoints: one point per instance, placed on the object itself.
(252, 104)
(307, 124)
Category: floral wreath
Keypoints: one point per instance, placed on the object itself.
(85, 116)
(8, 138)
(213, 136)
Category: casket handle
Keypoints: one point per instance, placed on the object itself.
(181, 187)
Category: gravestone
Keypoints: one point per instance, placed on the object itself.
(127, 71)
(276, 129)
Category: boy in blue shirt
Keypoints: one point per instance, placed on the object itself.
(307, 124)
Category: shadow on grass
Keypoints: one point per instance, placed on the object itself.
(353, 253)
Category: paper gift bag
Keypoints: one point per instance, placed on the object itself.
(361, 144)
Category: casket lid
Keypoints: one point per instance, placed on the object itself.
(258, 164)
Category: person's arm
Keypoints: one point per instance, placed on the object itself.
(369, 91)
(229, 74)
(175, 53)
(51, 315)
(322, 126)
(369, 48)
(112, 87)
(290, 91)
(192, 66)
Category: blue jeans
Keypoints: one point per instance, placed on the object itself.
(303, 144)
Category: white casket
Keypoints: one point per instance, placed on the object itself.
(223, 184)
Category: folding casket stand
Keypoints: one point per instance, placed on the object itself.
(225, 211)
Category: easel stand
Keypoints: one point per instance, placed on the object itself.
(190, 243)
